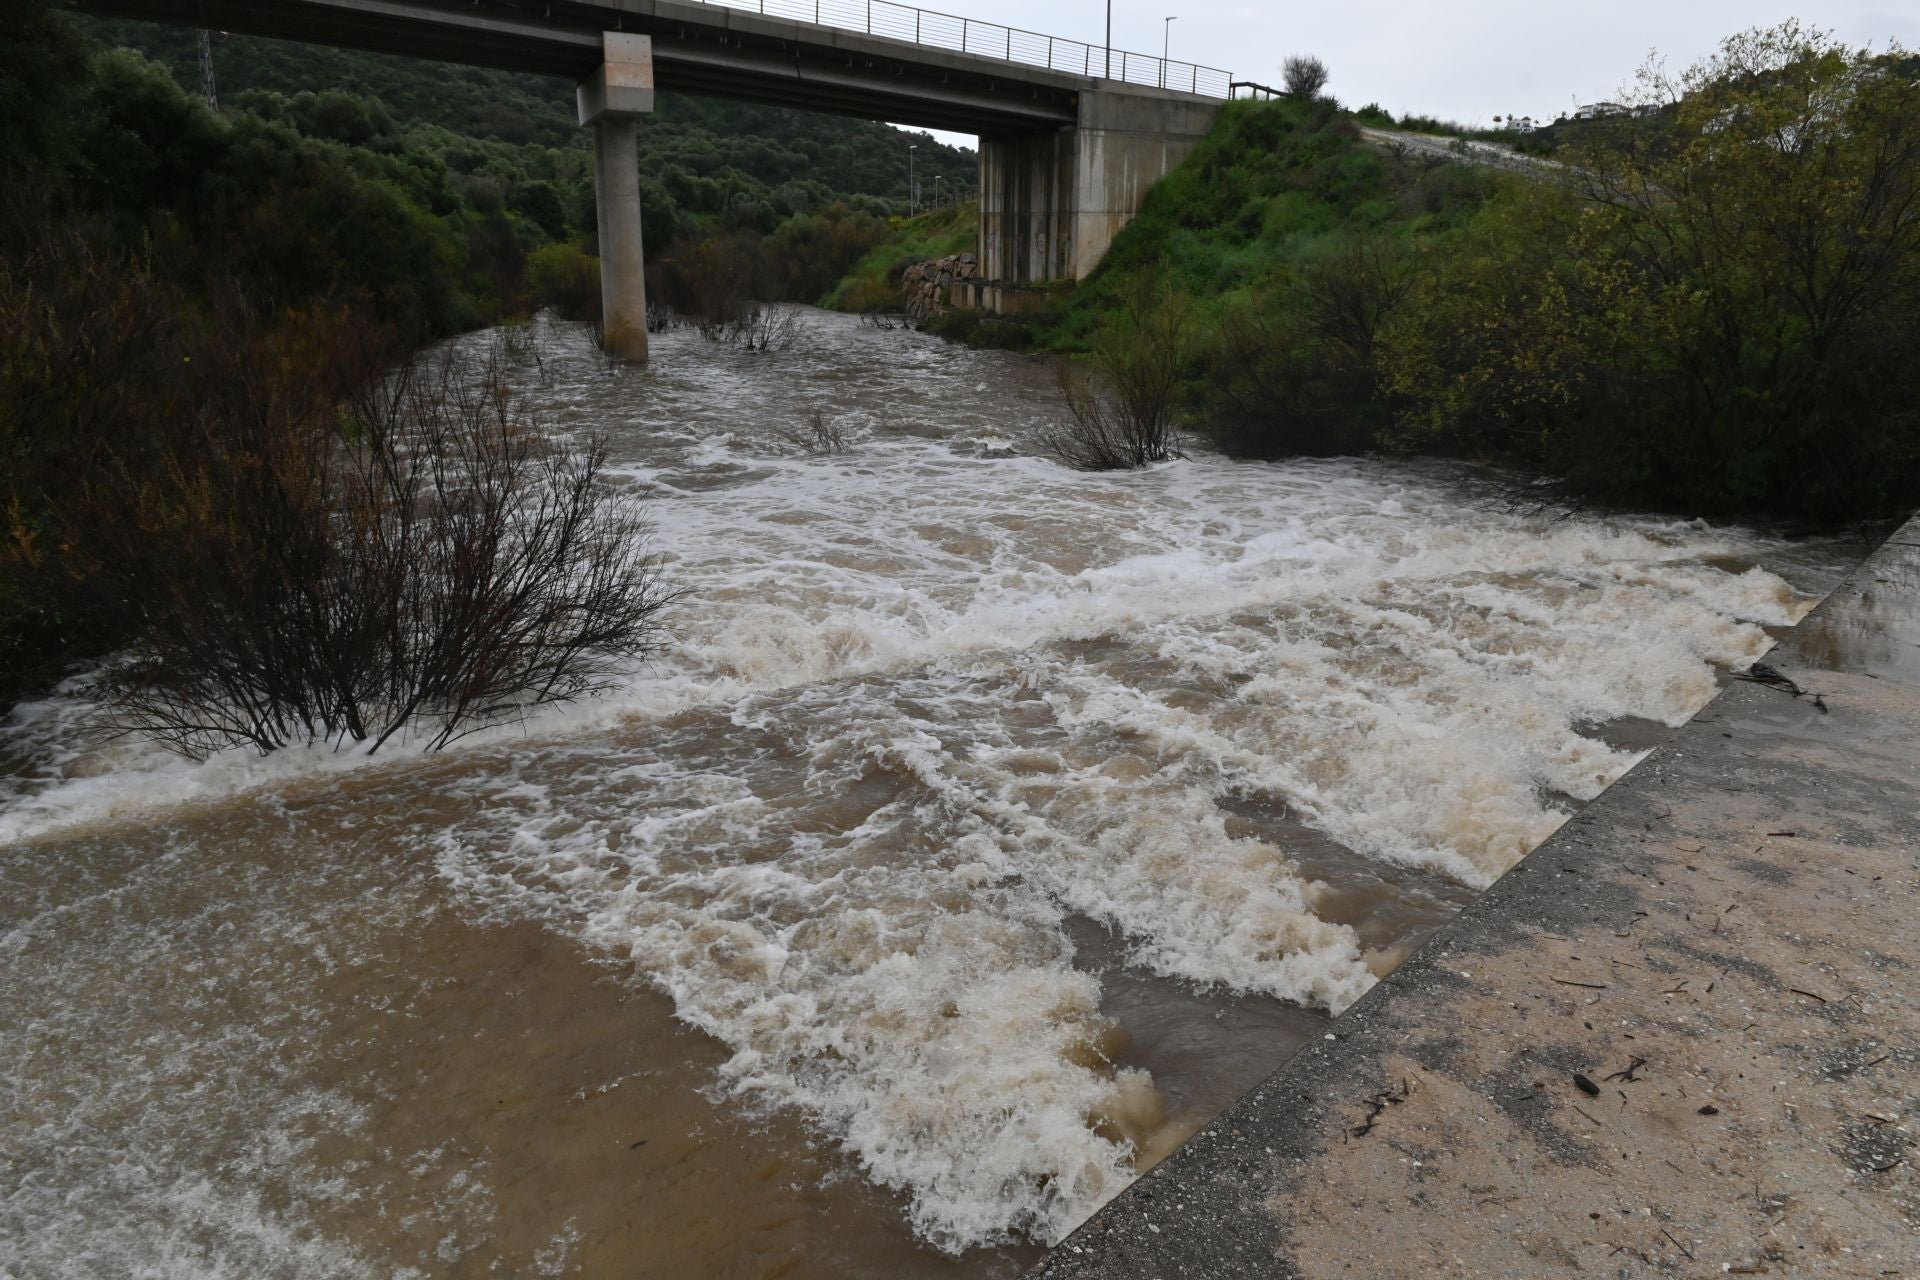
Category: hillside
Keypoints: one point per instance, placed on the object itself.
(1274, 188)
(1708, 310)
(333, 212)
(703, 161)
(874, 283)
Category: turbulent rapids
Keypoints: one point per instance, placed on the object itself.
(878, 926)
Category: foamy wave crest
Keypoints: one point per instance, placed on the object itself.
(923, 1011)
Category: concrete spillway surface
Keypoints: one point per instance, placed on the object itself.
(1679, 1038)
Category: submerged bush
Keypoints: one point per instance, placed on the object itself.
(293, 541)
(763, 328)
(1123, 416)
(816, 434)
(712, 282)
(429, 562)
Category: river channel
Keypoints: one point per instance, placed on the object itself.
(982, 829)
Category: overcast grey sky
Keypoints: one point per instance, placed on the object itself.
(1467, 60)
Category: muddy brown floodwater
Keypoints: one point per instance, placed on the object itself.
(983, 830)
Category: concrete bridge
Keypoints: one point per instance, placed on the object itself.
(1071, 135)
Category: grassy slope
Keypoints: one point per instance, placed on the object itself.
(874, 282)
(1274, 186)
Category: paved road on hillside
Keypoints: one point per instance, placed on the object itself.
(1464, 150)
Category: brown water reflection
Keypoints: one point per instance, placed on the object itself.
(481, 1099)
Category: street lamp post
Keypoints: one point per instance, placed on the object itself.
(1109, 39)
(910, 200)
(936, 190)
(1166, 42)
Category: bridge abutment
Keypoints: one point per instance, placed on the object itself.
(1026, 202)
(611, 101)
(1051, 201)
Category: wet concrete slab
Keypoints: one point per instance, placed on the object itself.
(1680, 1038)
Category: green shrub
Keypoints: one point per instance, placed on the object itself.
(1717, 318)
(868, 296)
(954, 229)
(1294, 370)
(566, 278)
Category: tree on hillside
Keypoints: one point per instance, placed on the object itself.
(40, 61)
(1304, 77)
(1717, 309)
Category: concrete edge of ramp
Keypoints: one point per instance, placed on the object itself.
(1679, 1038)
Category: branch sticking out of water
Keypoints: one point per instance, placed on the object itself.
(1122, 416)
(426, 562)
(818, 434)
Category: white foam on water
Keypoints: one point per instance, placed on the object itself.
(924, 701)
(913, 552)
(1058, 742)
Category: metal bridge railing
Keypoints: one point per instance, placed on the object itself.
(991, 40)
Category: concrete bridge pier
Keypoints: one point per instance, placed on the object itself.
(1052, 200)
(611, 102)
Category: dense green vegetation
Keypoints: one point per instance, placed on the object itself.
(1710, 309)
(1713, 312)
(384, 199)
(874, 282)
(705, 164)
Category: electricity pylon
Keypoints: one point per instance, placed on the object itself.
(206, 68)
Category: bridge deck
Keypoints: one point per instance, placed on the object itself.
(946, 80)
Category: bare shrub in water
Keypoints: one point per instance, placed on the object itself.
(759, 327)
(818, 434)
(711, 282)
(718, 286)
(1123, 415)
(425, 560)
(517, 343)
